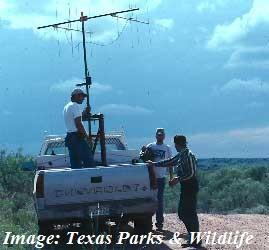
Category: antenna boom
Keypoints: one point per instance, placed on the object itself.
(85, 18)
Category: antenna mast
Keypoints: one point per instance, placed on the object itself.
(88, 81)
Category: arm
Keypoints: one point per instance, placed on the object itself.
(86, 114)
(168, 162)
(78, 122)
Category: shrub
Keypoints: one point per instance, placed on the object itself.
(223, 190)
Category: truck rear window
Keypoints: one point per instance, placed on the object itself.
(58, 148)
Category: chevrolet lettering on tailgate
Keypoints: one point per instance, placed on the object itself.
(100, 190)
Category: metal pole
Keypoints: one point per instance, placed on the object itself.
(87, 77)
(102, 139)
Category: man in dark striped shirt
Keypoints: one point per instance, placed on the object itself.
(185, 162)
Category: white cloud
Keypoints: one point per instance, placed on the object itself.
(242, 142)
(25, 15)
(65, 86)
(123, 109)
(68, 85)
(165, 23)
(210, 5)
(251, 86)
(3, 6)
(228, 34)
(252, 57)
(101, 87)
(206, 6)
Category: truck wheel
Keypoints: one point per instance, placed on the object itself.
(44, 228)
(86, 227)
(143, 224)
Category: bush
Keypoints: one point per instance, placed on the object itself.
(16, 207)
(240, 189)
(260, 209)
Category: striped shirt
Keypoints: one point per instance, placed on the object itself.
(185, 162)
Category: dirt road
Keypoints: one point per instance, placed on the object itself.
(256, 225)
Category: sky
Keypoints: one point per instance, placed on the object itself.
(200, 68)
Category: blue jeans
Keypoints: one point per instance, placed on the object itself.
(80, 153)
(159, 212)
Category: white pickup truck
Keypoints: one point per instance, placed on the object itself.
(119, 192)
(54, 154)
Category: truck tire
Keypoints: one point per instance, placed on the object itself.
(45, 228)
(86, 227)
(143, 224)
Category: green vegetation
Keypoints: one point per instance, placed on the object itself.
(241, 189)
(17, 213)
(228, 190)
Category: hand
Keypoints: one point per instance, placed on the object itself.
(150, 163)
(173, 182)
(88, 109)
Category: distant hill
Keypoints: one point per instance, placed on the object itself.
(211, 163)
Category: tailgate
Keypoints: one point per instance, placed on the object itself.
(88, 185)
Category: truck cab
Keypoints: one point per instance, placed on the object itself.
(54, 154)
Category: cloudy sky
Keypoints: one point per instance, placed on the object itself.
(200, 68)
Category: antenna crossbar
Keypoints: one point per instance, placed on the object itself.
(85, 18)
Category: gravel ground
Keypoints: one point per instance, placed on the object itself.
(253, 224)
(256, 225)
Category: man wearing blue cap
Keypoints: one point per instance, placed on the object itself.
(76, 139)
(160, 151)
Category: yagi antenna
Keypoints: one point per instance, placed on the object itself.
(88, 81)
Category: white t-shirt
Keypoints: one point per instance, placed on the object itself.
(70, 112)
(161, 152)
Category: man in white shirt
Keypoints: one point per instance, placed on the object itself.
(160, 151)
(76, 139)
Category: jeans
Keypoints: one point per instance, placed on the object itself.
(79, 151)
(159, 212)
(188, 205)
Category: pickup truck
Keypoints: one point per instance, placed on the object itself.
(118, 193)
(54, 154)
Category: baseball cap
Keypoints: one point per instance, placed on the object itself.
(160, 131)
(78, 91)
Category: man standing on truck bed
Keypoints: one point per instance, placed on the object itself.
(76, 139)
(186, 175)
(160, 151)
